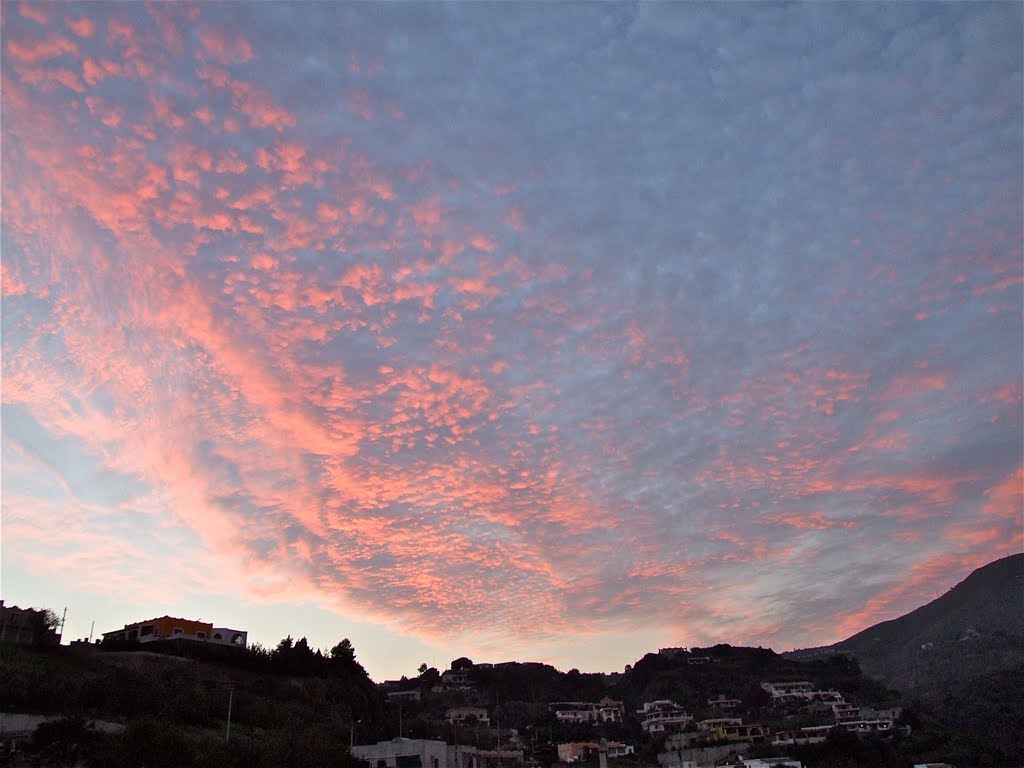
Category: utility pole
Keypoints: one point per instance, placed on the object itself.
(62, 619)
(91, 628)
(231, 697)
(497, 716)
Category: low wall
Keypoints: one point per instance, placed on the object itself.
(700, 754)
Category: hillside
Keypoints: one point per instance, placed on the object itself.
(990, 600)
(977, 627)
(293, 708)
(289, 707)
(961, 657)
(958, 662)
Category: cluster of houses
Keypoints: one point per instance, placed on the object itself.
(430, 753)
(28, 626)
(689, 743)
(719, 737)
(802, 697)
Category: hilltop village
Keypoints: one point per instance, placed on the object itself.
(740, 720)
(203, 688)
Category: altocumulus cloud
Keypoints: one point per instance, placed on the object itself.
(511, 324)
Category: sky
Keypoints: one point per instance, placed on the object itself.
(552, 332)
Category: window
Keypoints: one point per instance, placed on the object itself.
(217, 636)
(146, 630)
(178, 631)
(201, 635)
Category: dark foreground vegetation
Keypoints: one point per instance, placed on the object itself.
(295, 706)
(290, 706)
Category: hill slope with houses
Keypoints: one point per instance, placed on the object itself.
(294, 705)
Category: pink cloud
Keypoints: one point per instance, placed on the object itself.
(82, 27)
(231, 270)
(204, 115)
(910, 590)
(34, 11)
(94, 72)
(264, 262)
(248, 100)
(170, 18)
(10, 285)
(359, 104)
(46, 78)
(477, 285)
(225, 48)
(257, 105)
(38, 51)
(483, 243)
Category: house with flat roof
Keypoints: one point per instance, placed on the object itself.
(577, 751)
(173, 628)
(431, 753)
(468, 716)
(25, 626)
(663, 715)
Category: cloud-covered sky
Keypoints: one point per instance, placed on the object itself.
(553, 332)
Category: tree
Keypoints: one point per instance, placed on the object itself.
(755, 698)
(430, 677)
(344, 651)
(44, 623)
(461, 663)
(423, 668)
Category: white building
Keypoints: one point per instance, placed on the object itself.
(458, 680)
(709, 725)
(605, 711)
(576, 751)
(413, 695)
(724, 704)
(786, 689)
(663, 715)
(415, 753)
(867, 726)
(227, 636)
(468, 715)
